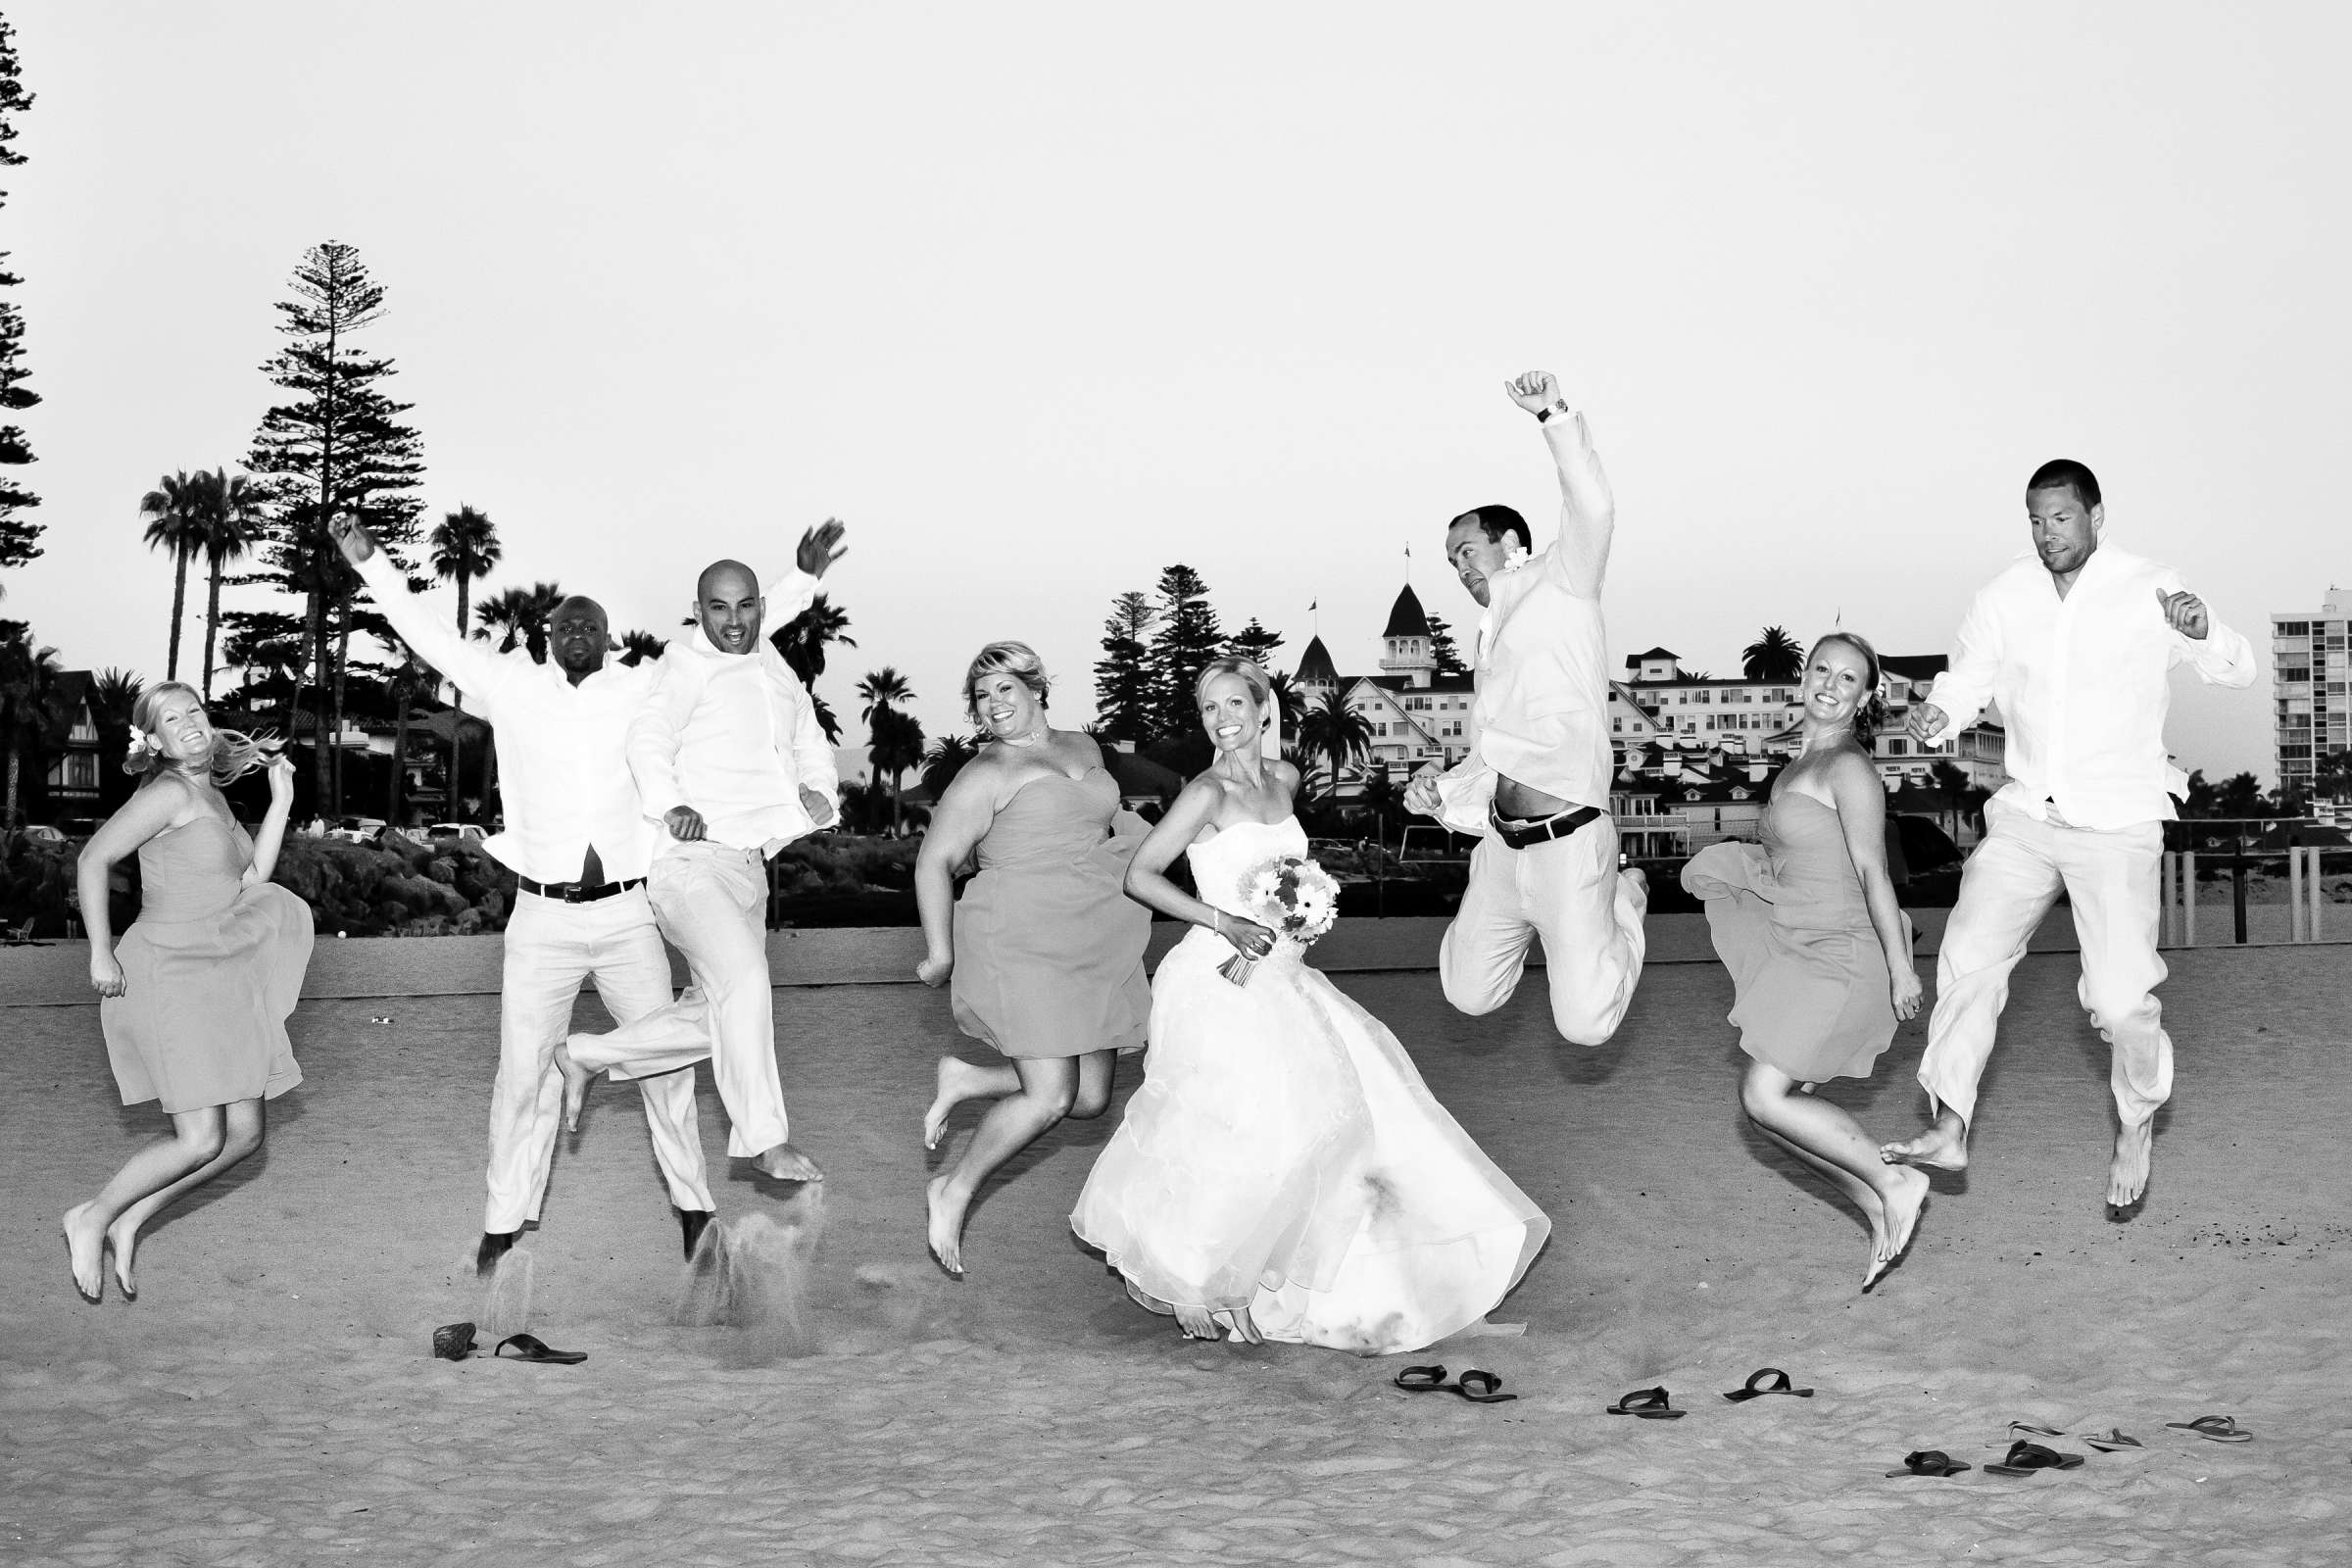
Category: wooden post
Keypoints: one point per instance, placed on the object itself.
(2189, 885)
(2238, 890)
(2295, 894)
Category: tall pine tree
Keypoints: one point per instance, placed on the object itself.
(1443, 649)
(1123, 702)
(20, 536)
(338, 449)
(1256, 643)
(1187, 639)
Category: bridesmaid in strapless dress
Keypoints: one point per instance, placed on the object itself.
(1046, 948)
(196, 996)
(1819, 953)
(1283, 1174)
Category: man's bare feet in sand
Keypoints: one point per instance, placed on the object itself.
(958, 1081)
(2127, 1176)
(122, 1240)
(85, 1250)
(786, 1163)
(1944, 1145)
(575, 1087)
(1901, 1205)
(946, 1223)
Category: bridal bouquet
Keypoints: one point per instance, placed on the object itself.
(1291, 896)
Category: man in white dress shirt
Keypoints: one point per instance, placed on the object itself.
(2074, 642)
(727, 755)
(1535, 784)
(579, 844)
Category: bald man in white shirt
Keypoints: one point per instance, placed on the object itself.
(579, 844)
(2074, 643)
(1535, 787)
(730, 759)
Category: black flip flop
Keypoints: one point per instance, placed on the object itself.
(452, 1342)
(2113, 1440)
(1648, 1404)
(1422, 1380)
(1930, 1462)
(2214, 1429)
(1480, 1388)
(530, 1349)
(1777, 1385)
(2027, 1458)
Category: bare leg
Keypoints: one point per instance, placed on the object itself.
(1833, 1143)
(2127, 1176)
(1011, 1124)
(245, 1124)
(1944, 1145)
(576, 1079)
(196, 1140)
(959, 1080)
(1197, 1323)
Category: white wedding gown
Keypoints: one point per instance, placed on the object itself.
(1283, 1155)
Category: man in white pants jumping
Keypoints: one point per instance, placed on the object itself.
(579, 844)
(2074, 642)
(728, 756)
(1535, 784)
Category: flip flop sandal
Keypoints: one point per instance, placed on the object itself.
(2113, 1438)
(2214, 1429)
(1777, 1385)
(1480, 1388)
(1648, 1404)
(1930, 1462)
(453, 1342)
(2027, 1458)
(1422, 1380)
(529, 1347)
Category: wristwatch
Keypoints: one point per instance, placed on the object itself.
(1558, 405)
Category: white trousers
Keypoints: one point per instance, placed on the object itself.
(1568, 891)
(550, 948)
(2010, 882)
(712, 901)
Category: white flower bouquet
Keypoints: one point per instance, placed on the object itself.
(1291, 896)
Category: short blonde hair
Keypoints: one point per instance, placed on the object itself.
(1017, 659)
(1251, 675)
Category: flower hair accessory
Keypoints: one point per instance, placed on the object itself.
(138, 740)
(1291, 896)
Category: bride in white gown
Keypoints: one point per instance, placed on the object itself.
(1283, 1173)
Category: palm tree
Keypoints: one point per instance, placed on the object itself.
(1336, 733)
(113, 695)
(29, 676)
(801, 640)
(945, 759)
(636, 647)
(1774, 656)
(520, 616)
(173, 514)
(2331, 774)
(232, 523)
(465, 548)
(895, 741)
(883, 688)
(1289, 702)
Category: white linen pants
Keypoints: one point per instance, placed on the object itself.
(2109, 877)
(712, 901)
(550, 948)
(1568, 891)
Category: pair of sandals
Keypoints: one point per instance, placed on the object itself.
(2025, 1456)
(1656, 1405)
(454, 1341)
(1475, 1385)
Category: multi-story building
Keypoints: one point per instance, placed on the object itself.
(2308, 674)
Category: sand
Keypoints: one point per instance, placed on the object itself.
(269, 1398)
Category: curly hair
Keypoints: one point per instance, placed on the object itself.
(1871, 715)
(235, 753)
(1017, 658)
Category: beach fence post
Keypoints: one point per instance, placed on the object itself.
(2169, 875)
(2238, 890)
(2310, 892)
(2298, 916)
(2188, 904)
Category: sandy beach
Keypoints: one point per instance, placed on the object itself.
(269, 1398)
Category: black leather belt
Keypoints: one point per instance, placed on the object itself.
(573, 892)
(1519, 836)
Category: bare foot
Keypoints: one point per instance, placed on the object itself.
(2127, 1176)
(786, 1163)
(1902, 1203)
(947, 1224)
(85, 1250)
(955, 1085)
(122, 1240)
(575, 1087)
(1239, 1325)
(1944, 1145)
(1197, 1323)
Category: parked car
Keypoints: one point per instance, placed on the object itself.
(357, 830)
(43, 833)
(455, 832)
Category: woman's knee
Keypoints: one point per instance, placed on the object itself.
(1087, 1103)
(1761, 1090)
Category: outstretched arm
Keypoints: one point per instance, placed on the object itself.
(1587, 511)
(794, 592)
(476, 666)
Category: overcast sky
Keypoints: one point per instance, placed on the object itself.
(1042, 298)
